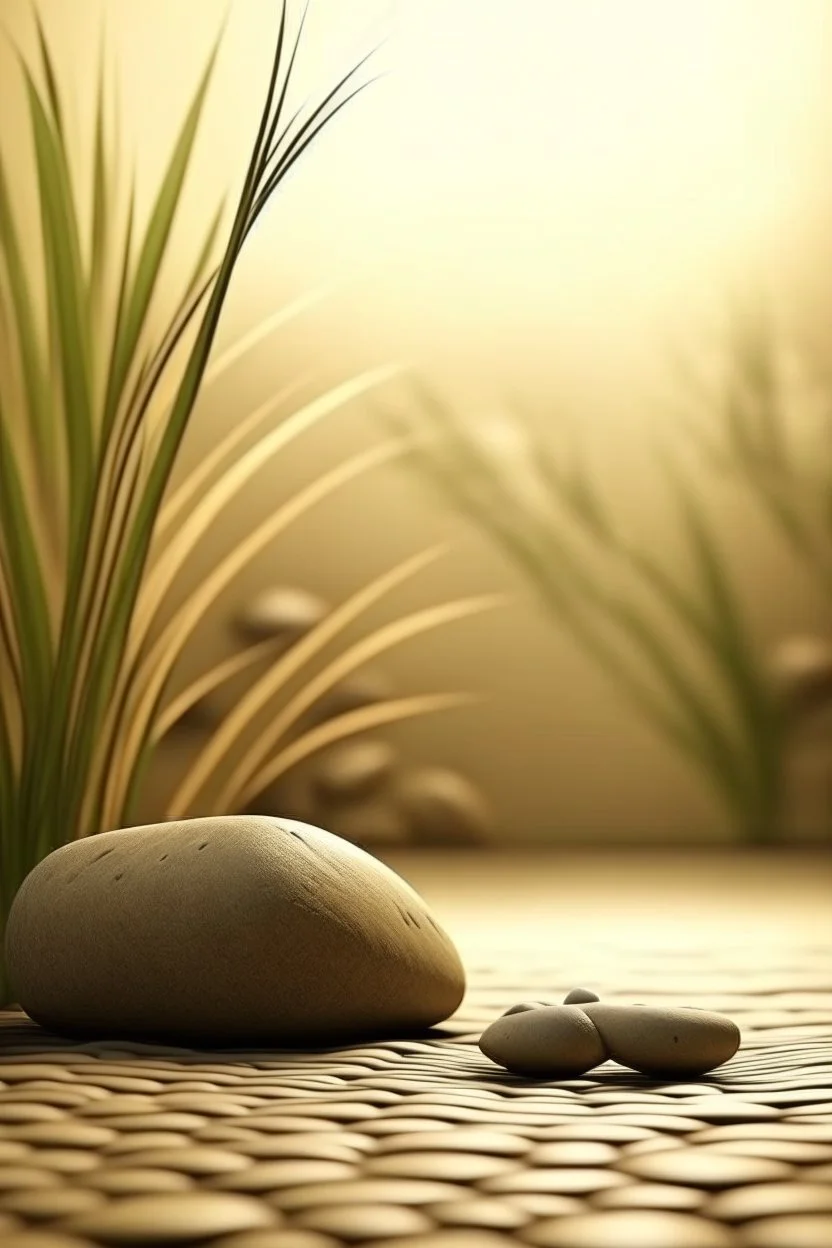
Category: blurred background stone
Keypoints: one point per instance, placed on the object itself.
(802, 671)
(284, 613)
(354, 769)
(359, 788)
(374, 825)
(442, 807)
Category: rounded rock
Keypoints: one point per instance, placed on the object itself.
(442, 807)
(664, 1041)
(285, 613)
(227, 916)
(365, 688)
(555, 1040)
(354, 770)
(369, 824)
(579, 996)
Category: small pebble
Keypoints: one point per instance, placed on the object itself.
(557, 1040)
(579, 995)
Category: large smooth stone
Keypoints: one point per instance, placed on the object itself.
(227, 929)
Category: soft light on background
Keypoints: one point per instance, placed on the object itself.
(538, 200)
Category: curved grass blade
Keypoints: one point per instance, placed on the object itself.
(350, 724)
(101, 196)
(52, 93)
(153, 248)
(66, 295)
(142, 683)
(469, 478)
(205, 685)
(288, 667)
(28, 342)
(236, 476)
(137, 543)
(228, 358)
(24, 580)
(355, 656)
(299, 144)
(207, 466)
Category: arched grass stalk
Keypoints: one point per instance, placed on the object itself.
(681, 653)
(95, 398)
(750, 423)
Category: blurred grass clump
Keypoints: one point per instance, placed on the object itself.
(671, 631)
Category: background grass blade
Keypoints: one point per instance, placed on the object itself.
(355, 656)
(154, 246)
(218, 745)
(66, 296)
(221, 453)
(139, 692)
(204, 686)
(179, 547)
(29, 346)
(23, 579)
(365, 719)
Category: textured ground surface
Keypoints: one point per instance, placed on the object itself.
(425, 1142)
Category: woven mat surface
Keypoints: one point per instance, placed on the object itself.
(424, 1142)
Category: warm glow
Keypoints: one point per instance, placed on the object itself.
(554, 153)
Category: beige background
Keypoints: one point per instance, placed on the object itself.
(537, 200)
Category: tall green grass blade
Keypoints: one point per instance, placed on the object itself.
(313, 126)
(67, 298)
(150, 373)
(23, 577)
(101, 196)
(52, 93)
(137, 544)
(274, 114)
(153, 249)
(30, 349)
